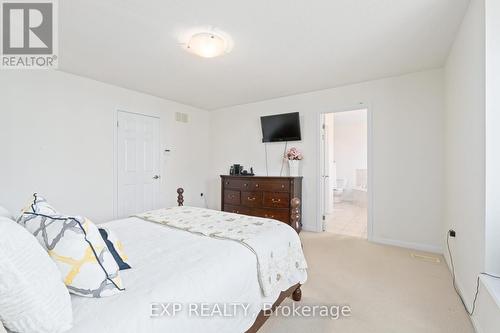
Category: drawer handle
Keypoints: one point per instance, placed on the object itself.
(227, 183)
(256, 185)
(231, 196)
(236, 211)
(275, 200)
(267, 216)
(246, 185)
(282, 185)
(251, 198)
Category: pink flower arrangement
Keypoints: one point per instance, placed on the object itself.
(293, 154)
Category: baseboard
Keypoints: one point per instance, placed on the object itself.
(409, 245)
(310, 228)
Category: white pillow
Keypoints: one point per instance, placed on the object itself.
(33, 297)
(5, 213)
(76, 246)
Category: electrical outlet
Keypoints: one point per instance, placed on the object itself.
(452, 233)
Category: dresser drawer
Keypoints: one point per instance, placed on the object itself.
(282, 215)
(237, 209)
(251, 199)
(232, 183)
(246, 185)
(237, 184)
(276, 199)
(271, 185)
(232, 197)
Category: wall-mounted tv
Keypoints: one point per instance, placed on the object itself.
(281, 127)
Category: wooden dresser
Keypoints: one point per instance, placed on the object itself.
(267, 197)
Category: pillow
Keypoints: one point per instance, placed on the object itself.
(33, 297)
(5, 213)
(76, 246)
(115, 247)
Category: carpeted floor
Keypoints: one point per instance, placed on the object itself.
(388, 290)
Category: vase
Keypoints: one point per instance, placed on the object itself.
(293, 166)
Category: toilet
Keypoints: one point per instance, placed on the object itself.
(339, 190)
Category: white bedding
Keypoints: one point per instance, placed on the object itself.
(173, 266)
(277, 247)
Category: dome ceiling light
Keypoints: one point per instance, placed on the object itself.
(208, 44)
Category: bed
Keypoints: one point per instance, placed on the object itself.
(172, 267)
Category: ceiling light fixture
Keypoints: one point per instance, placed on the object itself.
(208, 45)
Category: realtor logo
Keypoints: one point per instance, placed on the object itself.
(29, 34)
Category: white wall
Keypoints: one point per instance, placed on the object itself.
(57, 139)
(464, 195)
(472, 183)
(407, 151)
(492, 121)
(350, 144)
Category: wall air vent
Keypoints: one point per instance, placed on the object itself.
(181, 117)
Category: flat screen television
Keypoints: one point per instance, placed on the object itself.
(281, 127)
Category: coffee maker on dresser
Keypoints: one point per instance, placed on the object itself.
(238, 170)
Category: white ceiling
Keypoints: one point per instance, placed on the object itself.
(281, 47)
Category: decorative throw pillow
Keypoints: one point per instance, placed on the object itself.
(33, 297)
(76, 246)
(115, 247)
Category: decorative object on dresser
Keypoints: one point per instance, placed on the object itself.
(268, 197)
(294, 156)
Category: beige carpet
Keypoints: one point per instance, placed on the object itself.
(387, 289)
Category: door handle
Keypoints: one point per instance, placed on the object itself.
(156, 177)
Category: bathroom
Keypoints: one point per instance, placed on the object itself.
(346, 158)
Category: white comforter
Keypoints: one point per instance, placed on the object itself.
(174, 266)
(276, 245)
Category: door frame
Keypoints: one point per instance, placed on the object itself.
(319, 180)
(115, 153)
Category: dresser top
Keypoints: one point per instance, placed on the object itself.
(259, 177)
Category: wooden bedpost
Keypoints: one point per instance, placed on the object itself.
(297, 294)
(180, 197)
(295, 217)
(297, 225)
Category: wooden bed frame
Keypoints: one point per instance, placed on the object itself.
(294, 291)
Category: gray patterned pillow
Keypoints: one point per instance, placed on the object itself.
(76, 246)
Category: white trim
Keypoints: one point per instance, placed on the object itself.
(408, 245)
(369, 116)
(115, 164)
(115, 154)
(493, 291)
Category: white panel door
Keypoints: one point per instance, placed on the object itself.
(138, 163)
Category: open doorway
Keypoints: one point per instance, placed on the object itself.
(344, 159)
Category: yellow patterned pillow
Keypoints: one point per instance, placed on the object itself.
(75, 244)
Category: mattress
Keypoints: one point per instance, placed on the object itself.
(177, 268)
